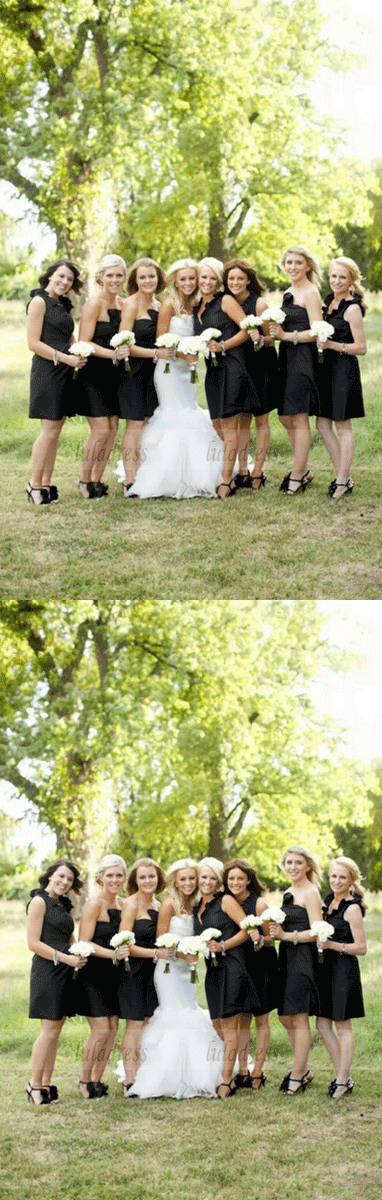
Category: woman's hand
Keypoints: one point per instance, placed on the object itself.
(164, 352)
(121, 353)
(254, 335)
(75, 961)
(75, 361)
(165, 952)
(214, 347)
(276, 931)
(121, 952)
(190, 958)
(324, 345)
(254, 935)
(214, 946)
(190, 358)
(276, 331)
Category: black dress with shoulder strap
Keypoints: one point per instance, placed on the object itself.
(339, 974)
(340, 385)
(229, 388)
(52, 389)
(53, 989)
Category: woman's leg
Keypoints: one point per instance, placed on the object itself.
(94, 460)
(346, 444)
(230, 431)
(130, 1049)
(326, 431)
(243, 443)
(325, 1029)
(298, 1030)
(243, 1042)
(104, 454)
(229, 1031)
(130, 449)
(263, 1034)
(95, 1054)
(44, 1053)
(346, 1042)
(44, 453)
(263, 435)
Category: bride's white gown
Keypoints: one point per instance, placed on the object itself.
(181, 455)
(181, 1055)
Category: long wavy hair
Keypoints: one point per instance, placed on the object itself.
(62, 262)
(355, 276)
(356, 886)
(313, 872)
(132, 886)
(171, 883)
(77, 884)
(313, 273)
(254, 283)
(132, 285)
(254, 883)
(173, 293)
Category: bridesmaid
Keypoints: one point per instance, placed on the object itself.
(97, 995)
(298, 361)
(49, 333)
(241, 281)
(340, 981)
(137, 398)
(100, 319)
(241, 881)
(229, 989)
(49, 934)
(298, 964)
(229, 390)
(136, 992)
(340, 381)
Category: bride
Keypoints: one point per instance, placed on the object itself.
(181, 1055)
(181, 455)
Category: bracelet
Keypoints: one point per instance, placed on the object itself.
(55, 959)
(295, 937)
(55, 359)
(261, 342)
(115, 961)
(155, 357)
(295, 337)
(223, 949)
(344, 349)
(115, 360)
(155, 957)
(261, 942)
(223, 348)
(344, 948)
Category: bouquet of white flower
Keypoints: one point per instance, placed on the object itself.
(170, 342)
(192, 945)
(273, 913)
(210, 935)
(169, 941)
(192, 345)
(322, 930)
(252, 322)
(210, 335)
(125, 938)
(252, 922)
(125, 338)
(82, 950)
(83, 350)
(273, 313)
(322, 330)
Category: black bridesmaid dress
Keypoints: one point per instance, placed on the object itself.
(229, 987)
(298, 365)
(97, 981)
(339, 974)
(137, 998)
(97, 383)
(229, 388)
(340, 385)
(298, 965)
(261, 965)
(262, 366)
(137, 398)
(52, 395)
(52, 989)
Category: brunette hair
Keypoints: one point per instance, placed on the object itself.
(171, 274)
(355, 276)
(109, 860)
(254, 883)
(62, 262)
(253, 281)
(171, 882)
(132, 285)
(132, 886)
(313, 272)
(77, 884)
(313, 872)
(109, 260)
(216, 866)
(355, 875)
(216, 266)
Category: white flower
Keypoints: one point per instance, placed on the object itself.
(210, 335)
(168, 940)
(321, 930)
(273, 913)
(125, 938)
(251, 322)
(192, 345)
(210, 935)
(192, 945)
(83, 349)
(322, 330)
(251, 922)
(273, 314)
(168, 340)
(81, 950)
(125, 338)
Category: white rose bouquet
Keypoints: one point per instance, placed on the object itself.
(273, 313)
(125, 938)
(125, 338)
(170, 342)
(252, 922)
(168, 940)
(210, 935)
(322, 930)
(210, 335)
(273, 913)
(252, 322)
(192, 345)
(83, 350)
(80, 949)
(322, 330)
(192, 945)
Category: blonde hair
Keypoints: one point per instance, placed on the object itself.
(109, 260)
(171, 274)
(216, 866)
(313, 272)
(109, 860)
(355, 875)
(313, 872)
(217, 267)
(171, 874)
(355, 276)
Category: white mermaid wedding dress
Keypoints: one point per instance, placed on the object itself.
(181, 455)
(181, 1055)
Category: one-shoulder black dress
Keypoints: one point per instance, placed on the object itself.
(261, 964)
(339, 974)
(298, 965)
(96, 989)
(229, 388)
(137, 997)
(261, 366)
(137, 398)
(52, 395)
(97, 383)
(52, 989)
(229, 987)
(340, 385)
(298, 365)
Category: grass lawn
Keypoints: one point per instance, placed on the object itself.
(262, 545)
(260, 1146)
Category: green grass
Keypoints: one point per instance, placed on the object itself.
(262, 1147)
(257, 545)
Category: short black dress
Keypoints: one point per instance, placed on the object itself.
(229, 388)
(52, 395)
(340, 385)
(96, 989)
(261, 965)
(137, 997)
(52, 989)
(97, 383)
(229, 987)
(137, 398)
(298, 365)
(339, 974)
(298, 965)
(262, 366)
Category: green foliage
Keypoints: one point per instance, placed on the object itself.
(364, 844)
(16, 869)
(17, 273)
(364, 242)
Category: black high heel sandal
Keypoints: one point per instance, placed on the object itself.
(262, 483)
(43, 1092)
(242, 481)
(53, 493)
(242, 1081)
(231, 492)
(90, 1088)
(100, 489)
(302, 1084)
(90, 489)
(347, 488)
(101, 1089)
(44, 493)
(346, 1088)
(230, 1090)
(128, 494)
(53, 1093)
(261, 1084)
